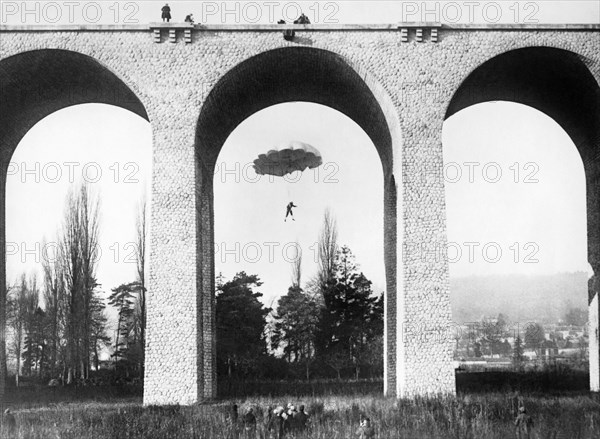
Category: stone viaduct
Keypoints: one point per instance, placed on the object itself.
(398, 82)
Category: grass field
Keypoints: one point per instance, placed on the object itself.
(115, 413)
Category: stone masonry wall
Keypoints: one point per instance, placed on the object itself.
(417, 78)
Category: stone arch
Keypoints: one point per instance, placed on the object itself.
(34, 85)
(558, 83)
(40, 82)
(287, 75)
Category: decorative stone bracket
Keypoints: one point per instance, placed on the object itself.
(419, 34)
(173, 29)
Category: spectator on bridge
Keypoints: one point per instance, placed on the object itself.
(523, 424)
(303, 19)
(288, 34)
(166, 13)
(189, 18)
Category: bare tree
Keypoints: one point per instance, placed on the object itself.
(89, 207)
(54, 299)
(79, 252)
(142, 235)
(297, 267)
(16, 312)
(327, 249)
(71, 261)
(30, 294)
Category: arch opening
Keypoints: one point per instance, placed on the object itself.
(252, 235)
(557, 83)
(33, 86)
(275, 77)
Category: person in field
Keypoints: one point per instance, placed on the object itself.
(301, 419)
(233, 421)
(10, 424)
(250, 423)
(366, 430)
(189, 18)
(276, 426)
(523, 424)
(289, 211)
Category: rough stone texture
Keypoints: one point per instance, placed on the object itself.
(400, 95)
(594, 344)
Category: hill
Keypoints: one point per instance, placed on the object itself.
(522, 298)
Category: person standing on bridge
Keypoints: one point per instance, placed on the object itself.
(166, 13)
(302, 19)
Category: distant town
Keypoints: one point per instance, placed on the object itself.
(495, 343)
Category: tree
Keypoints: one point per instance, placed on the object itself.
(351, 316)
(79, 254)
(327, 250)
(337, 358)
(16, 315)
(493, 331)
(89, 207)
(534, 335)
(54, 299)
(241, 321)
(576, 317)
(36, 344)
(477, 349)
(297, 323)
(518, 353)
(30, 353)
(98, 335)
(297, 268)
(140, 309)
(123, 299)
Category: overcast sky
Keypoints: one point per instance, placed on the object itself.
(329, 12)
(534, 214)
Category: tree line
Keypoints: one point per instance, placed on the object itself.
(331, 327)
(58, 329)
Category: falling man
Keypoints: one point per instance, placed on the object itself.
(289, 211)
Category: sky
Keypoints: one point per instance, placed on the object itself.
(322, 12)
(533, 212)
(530, 221)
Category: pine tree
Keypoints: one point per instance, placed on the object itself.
(123, 299)
(518, 353)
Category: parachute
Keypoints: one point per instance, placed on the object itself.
(288, 158)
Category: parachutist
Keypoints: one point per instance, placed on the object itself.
(289, 211)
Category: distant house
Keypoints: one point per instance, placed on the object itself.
(548, 349)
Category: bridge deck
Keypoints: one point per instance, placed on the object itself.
(308, 27)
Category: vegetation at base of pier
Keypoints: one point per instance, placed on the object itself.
(98, 416)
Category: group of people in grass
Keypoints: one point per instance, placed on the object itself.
(283, 422)
(280, 422)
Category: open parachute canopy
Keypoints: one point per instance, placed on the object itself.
(287, 158)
